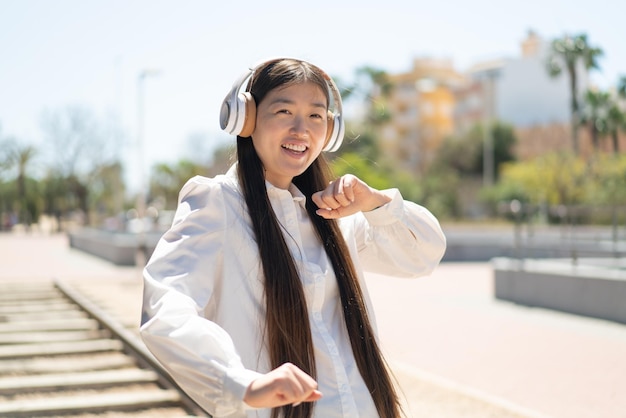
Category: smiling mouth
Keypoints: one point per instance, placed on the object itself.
(295, 147)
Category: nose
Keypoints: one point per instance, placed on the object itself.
(299, 127)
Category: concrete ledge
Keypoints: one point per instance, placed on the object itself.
(592, 287)
(476, 244)
(118, 248)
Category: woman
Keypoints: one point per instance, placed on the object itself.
(255, 299)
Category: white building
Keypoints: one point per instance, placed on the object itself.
(521, 92)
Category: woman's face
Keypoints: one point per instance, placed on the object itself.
(290, 131)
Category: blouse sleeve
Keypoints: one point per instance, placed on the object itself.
(178, 283)
(401, 239)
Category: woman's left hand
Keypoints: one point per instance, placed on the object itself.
(347, 195)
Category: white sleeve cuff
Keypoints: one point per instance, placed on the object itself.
(388, 213)
(237, 382)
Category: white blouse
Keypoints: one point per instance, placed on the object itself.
(203, 309)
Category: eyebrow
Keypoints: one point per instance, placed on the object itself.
(281, 100)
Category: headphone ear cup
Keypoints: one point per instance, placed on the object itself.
(227, 119)
(334, 133)
(248, 109)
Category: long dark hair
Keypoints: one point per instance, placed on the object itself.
(288, 335)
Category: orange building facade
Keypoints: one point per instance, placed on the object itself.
(423, 105)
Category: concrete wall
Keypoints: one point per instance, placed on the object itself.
(118, 248)
(595, 292)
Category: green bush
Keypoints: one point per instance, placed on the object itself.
(590, 190)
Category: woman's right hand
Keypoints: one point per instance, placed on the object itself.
(284, 385)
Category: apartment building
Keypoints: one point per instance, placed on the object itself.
(422, 105)
(433, 101)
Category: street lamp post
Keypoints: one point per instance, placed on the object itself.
(141, 195)
(488, 114)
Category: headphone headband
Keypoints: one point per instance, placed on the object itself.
(238, 111)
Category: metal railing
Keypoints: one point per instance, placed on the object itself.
(567, 231)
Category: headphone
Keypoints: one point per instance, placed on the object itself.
(238, 112)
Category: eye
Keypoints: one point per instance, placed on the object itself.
(317, 116)
(284, 111)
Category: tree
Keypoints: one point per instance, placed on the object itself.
(370, 86)
(19, 157)
(364, 144)
(594, 114)
(465, 154)
(617, 114)
(55, 196)
(370, 82)
(605, 116)
(361, 138)
(567, 54)
(80, 145)
(621, 87)
(78, 141)
(23, 156)
(106, 190)
(166, 180)
(553, 179)
(223, 157)
(615, 122)
(6, 149)
(607, 178)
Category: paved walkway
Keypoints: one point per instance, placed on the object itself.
(457, 352)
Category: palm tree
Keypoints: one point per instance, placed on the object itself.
(617, 114)
(594, 113)
(604, 115)
(616, 122)
(566, 54)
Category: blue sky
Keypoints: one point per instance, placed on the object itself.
(56, 53)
